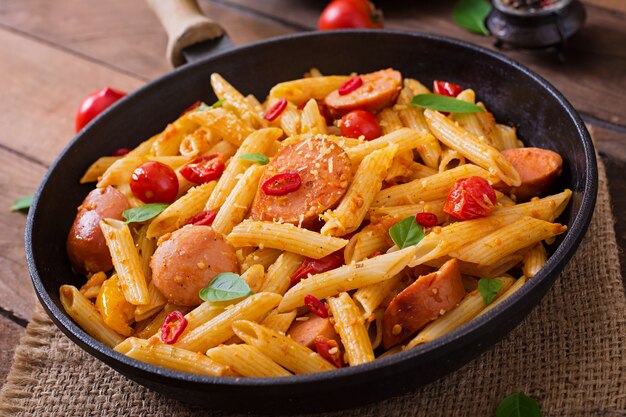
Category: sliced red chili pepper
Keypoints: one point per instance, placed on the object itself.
(470, 198)
(315, 305)
(426, 219)
(204, 218)
(316, 266)
(204, 169)
(329, 350)
(282, 184)
(350, 85)
(445, 88)
(194, 106)
(120, 152)
(276, 110)
(173, 327)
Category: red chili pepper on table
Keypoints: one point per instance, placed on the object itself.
(470, 198)
(315, 305)
(329, 350)
(204, 218)
(204, 169)
(316, 266)
(426, 219)
(445, 88)
(350, 85)
(282, 184)
(276, 110)
(173, 327)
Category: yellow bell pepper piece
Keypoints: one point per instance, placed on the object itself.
(116, 312)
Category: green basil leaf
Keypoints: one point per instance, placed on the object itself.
(143, 213)
(204, 106)
(218, 103)
(22, 204)
(518, 405)
(471, 15)
(444, 103)
(225, 286)
(406, 233)
(489, 288)
(258, 158)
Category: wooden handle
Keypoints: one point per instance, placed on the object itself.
(185, 26)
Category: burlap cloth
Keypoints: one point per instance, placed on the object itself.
(569, 354)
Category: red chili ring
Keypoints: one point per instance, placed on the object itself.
(120, 152)
(282, 184)
(350, 85)
(170, 332)
(426, 219)
(316, 306)
(204, 218)
(276, 110)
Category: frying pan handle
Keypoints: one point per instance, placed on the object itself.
(185, 26)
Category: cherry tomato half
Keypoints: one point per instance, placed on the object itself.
(445, 88)
(204, 169)
(94, 104)
(329, 350)
(360, 122)
(154, 182)
(346, 14)
(470, 198)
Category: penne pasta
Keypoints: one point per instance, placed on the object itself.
(247, 360)
(534, 260)
(278, 274)
(350, 325)
(300, 91)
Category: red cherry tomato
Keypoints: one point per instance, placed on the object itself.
(470, 198)
(154, 182)
(445, 88)
(204, 169)
(360, 122)
(282, 184)
(120, 152)
(329, 350)
(94, 104)
(316, 266)
(346, 14)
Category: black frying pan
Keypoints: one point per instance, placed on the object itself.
(516, 95)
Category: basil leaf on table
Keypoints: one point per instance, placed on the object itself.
(489, 288)
(471, 15)
(445, 103)
(518, 405)
(258, 158)
(406, 233)
(23, 203)
(144, 212)
(225, 286)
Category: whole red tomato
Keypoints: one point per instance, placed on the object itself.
(360, 123)
(154, 182)
(470, 198)
(346, 14)
(94, 104)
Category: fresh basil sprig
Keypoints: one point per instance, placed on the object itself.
(22, 204)
(445, 103)
(471, 15)
(144, 212)
(518, 405)
(225, 286)
(489, 288)
(406, 233)
(258, 158)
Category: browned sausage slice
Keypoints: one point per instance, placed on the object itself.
(86, 245)
(325, 172)
(421, 302)
(305, 332)
(538, 169)
(379, 90)
(187, 260)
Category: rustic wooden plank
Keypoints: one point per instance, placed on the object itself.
(11, 334)
(592, 79)
(617, 5)
(123, 34)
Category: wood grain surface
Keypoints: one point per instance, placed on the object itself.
(52, 53)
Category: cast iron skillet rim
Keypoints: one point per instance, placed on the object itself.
(565, 250)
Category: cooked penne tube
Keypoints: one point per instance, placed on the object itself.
(421, 171)
(224, 148)
(198, 142)
(264, 257)
(247, 360)
(143, 148)
(347, 278)
(370, 297)
(156, 301)
(507, 137)
(254, 277)
(279, 321)
(450, 159)
(350, 325)
(286, 237)
(91, 288)
(366, 243)
(278, 274)
(290, 120)
(534, 260)
(411, 116)
(168, 142)
(84, 313)
(224, 123)
(300, 91)
(406, 139)
(548, 208)
(389, 121)
(401, 212)
(153, 327)
(98, 168)
(312, 120)
(219, 329)
(126, 261)
(281, 349)
(224, 91)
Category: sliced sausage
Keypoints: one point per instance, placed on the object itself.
(86, 245)
(379, 90)
(421, 302)
(325, 173)
(538, 169)
(305, 332)
(187, 260)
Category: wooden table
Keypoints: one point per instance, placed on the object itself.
(52, 53)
